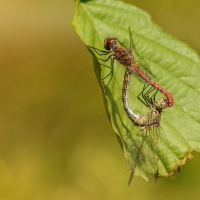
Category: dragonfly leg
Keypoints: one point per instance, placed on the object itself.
(153, 97)
(146, 97)
(150, 100)
(99, 52)
(105, 66)
(105, 59)
(142, 94)
(107, 75)
(111, 73)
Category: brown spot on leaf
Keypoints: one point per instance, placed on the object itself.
(177, 168)
(189, 155)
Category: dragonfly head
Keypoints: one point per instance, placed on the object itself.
(161, 104)
(109, 43)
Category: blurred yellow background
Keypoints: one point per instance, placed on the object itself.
(56, 141)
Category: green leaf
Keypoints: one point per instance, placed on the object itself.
(175, 65)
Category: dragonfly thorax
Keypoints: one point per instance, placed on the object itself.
(123, 55)
(152, 119)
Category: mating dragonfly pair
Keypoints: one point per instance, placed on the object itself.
(151, 122)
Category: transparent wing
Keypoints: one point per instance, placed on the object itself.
(142, 161)
(151, 157)
(167, 156)
(140, 61)
(150, 153)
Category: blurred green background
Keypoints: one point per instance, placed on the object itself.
(56, 141)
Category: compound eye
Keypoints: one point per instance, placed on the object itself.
(109, 43)
(161, 103)
(106, 44)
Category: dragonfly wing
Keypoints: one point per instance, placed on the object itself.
(144, 66)
(142, 161)
(151, 157)
(167, 157)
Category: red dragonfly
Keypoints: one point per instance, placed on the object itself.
(127, 57)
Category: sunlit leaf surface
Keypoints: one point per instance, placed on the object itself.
(175, 65)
